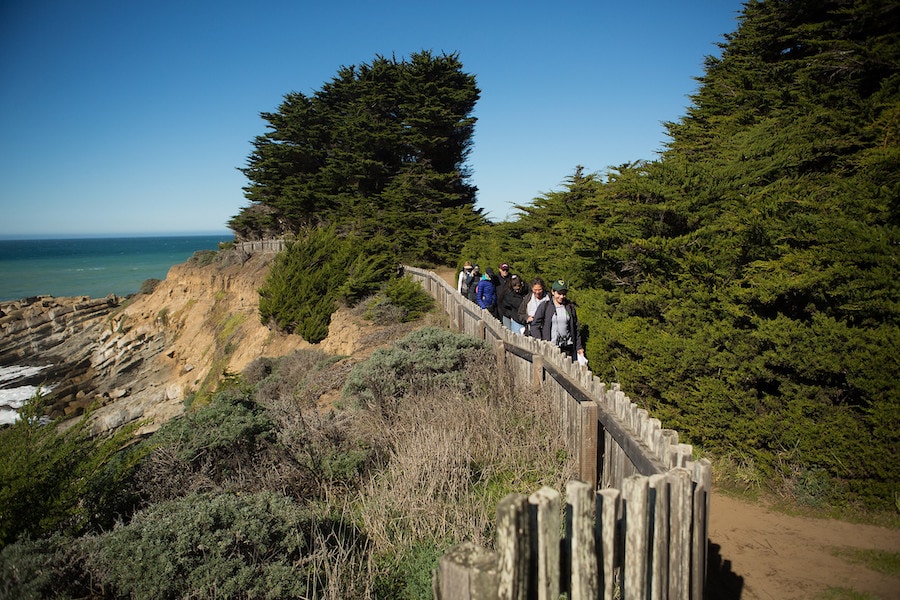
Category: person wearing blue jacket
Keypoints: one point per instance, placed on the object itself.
(486, 293)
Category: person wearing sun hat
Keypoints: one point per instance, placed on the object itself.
(557, 321)
(465, 279)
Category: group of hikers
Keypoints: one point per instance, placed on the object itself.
(526, 310)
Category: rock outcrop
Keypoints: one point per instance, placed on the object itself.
(138, 359)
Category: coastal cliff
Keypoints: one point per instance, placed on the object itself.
(139, 358)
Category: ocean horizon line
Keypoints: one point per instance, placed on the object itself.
(26, 237)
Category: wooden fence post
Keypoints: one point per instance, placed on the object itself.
(466, 572)
(702, 488)
(680, 528)
(659, 559)
(588, 437)
(583, 575)
(544, 519)
(537, 370)
(513, 547)
(637, 528)
(607, 536)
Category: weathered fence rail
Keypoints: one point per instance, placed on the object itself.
(642, 535)
(260, 246)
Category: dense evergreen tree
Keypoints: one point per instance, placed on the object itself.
(745, 286)
(379, 150)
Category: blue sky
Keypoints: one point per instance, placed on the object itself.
(129, 117)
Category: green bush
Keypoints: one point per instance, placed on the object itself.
(53, 479)
(400, 300)
(202, 258)
(314, 273)
(53, 567)
(210, 546)
(409, 295)
(229, 423)
(426, 357)
(149, 285)
(408, 576)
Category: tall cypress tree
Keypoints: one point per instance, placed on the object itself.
(745, 287)
(380, 150)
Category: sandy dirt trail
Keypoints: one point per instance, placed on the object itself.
(763, 554)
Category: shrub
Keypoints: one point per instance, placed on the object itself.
(211, 546)
(307, 279)
(228, 423)
(428, 357)
(52, 479)
(409, 296)
(53, 567)
(149, 285)
(202, 258)
(227, 444)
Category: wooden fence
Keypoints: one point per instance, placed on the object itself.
(636, 522)
(261, 246)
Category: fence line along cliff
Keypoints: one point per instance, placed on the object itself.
(637, 519)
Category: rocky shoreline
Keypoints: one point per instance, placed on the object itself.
(56, 336)
(139, 358)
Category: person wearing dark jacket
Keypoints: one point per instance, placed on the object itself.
(486, 293)
(509, 303)
(556, 321)
(473, 286)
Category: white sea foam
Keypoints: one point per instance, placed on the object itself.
(12, 399)
(15, 371)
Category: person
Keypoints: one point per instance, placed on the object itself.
(530, 304)
(556, 321)
(503, 277)
(486, 293)
(473, 286)
(509, 304)
(465, 279)
(501, 283)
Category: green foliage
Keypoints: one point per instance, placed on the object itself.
(229, 423)
(408, 576)
(55, 479)
(881, 561)
(846, 594)
(211, 546)
(425, 358)
(52, 567)
(149, 285)
(317, 271)
(410, 297)
(745, 286)
(379, 150)
(203, 258)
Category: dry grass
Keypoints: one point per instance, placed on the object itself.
(450, 457)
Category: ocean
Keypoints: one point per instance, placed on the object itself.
(95, 267)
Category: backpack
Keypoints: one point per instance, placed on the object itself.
(467, 281)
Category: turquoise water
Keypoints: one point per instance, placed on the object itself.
(95, 267)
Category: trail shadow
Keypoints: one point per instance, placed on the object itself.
(721, 582)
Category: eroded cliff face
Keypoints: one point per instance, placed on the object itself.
(137, 360)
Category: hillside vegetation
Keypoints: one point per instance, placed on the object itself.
(745, 286)
(267, 491)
